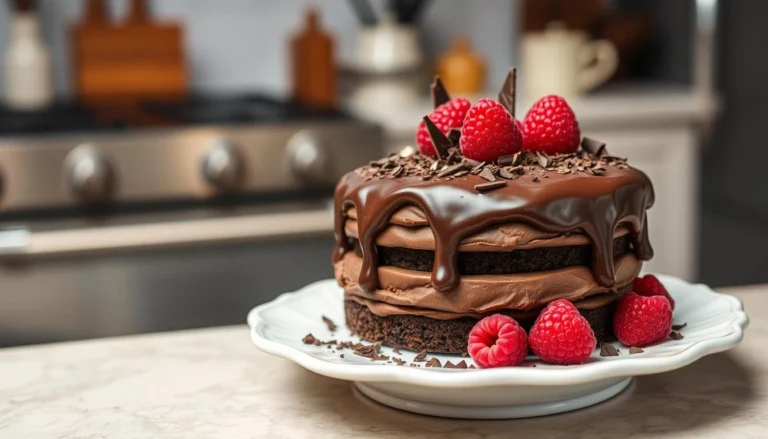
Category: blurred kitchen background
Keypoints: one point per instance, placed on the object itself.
(169, 164)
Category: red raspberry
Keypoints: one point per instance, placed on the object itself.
(489, 132)
(550, 126)
(641, 320)
(649, 285)
(561, 335)
(449, 115)
(497, 341)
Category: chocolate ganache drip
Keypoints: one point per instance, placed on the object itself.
(579, 201)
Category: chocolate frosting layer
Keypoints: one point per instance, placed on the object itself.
(387, 309)
(590, 205)
(504, 237)
(479, 294)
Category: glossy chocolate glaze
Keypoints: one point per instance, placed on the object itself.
(573, 203)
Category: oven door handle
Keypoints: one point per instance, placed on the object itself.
(21, 242)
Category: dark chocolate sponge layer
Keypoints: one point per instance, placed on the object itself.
(419, 333)
(511, 262)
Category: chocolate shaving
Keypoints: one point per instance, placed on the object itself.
(535, 179)
(454, 135)
(676, 335)
(461, 364)
(369, 351)
(453, 169)
(472, 366)
(408, 151)
(635, 350)
(505, 173)
(399, 361)
(507, 92)
(439, 139)
(544, 160)
(597, 171)
(465, 354)
(433, 362)
(396, 351)
(310, 339)
(329, 323)
(421, 356)
(449, 365)
(679, 327)
(487, 174)
(608, 350)
(439, 94)
(472, 162)
(485, 187)
(593, 146)
(506, 160)
(397, 171)
(341, 355)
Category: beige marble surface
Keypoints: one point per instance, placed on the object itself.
(213, 383)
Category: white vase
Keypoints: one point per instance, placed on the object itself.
(27, 66)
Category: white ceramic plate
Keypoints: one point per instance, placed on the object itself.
(715, 323)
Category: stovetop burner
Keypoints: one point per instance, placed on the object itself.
(194, 110)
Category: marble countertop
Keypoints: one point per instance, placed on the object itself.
(214, 383)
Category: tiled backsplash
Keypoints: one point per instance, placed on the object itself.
(241, 44)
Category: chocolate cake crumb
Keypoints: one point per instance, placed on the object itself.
(421, 356)
(398, 361)
(679, 327)
(329, 323)
(608, 350)
(434, 362)
(415, 365)
(341, 355)
(635, 350)
(676, 335)
(370, 351)
(310, 339)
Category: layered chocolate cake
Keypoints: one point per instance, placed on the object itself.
(426, 246)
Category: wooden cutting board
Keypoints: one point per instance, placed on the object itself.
(133, 60)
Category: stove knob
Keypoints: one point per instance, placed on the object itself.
(91, 175)
(310, 161)
(223, 166)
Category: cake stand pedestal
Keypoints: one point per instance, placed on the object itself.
(498, 402)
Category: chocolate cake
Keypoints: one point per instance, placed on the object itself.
(426, 246)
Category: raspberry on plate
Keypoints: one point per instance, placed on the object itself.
(550, 126)
(489, 132)
(650, 285)
(449, 115)
(561, 335)
(497, 341)
(642, 320)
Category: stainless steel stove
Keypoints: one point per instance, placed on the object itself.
(155, 216)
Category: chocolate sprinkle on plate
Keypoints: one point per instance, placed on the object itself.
(485, 187)
(472, 366)
(309, 339)
(329, 323)
(434, 362)
(676, 335)
(449, 365)
(635, 350)
(396, 351)
(679, 327)
(421, 356)
(608, 350)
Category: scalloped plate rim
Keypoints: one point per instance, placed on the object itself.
(550, 376)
